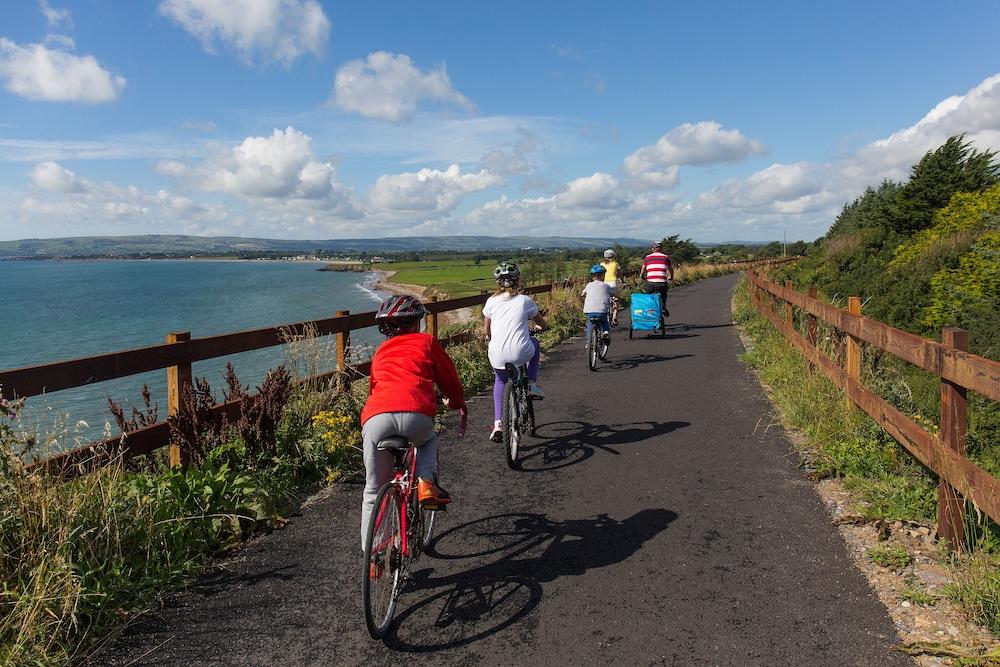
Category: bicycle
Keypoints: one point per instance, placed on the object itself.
(518, 416)
(613, 310)
(399, 531)
(598, 343)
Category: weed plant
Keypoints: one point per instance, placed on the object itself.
(891, 556)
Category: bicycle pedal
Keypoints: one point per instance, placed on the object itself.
(434, 508)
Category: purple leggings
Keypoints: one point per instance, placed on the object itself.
(501, 378)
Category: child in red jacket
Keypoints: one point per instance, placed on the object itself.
(402, 403)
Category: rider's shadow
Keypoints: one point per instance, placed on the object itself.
(567, 443)
(523, 552)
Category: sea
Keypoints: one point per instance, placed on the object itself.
(58, 310)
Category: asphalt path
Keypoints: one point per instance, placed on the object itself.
(658, 518)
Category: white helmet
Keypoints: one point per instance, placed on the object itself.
(609, 253)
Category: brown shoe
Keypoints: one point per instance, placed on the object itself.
(430, 494)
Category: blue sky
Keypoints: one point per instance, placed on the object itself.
(308, 119)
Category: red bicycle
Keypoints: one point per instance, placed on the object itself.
(400, 530)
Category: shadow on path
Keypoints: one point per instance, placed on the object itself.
(528, 550)
(629, 363)
(567, 443)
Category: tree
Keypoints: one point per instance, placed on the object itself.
(680, 251)
(953, 167)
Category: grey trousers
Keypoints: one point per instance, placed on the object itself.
(418, 429)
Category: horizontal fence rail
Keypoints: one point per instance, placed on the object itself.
(959, 371)
(46, 378)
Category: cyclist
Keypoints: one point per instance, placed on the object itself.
(507, 314)
(597, 295)
(611, 268)
(401, 400)
(657, 271)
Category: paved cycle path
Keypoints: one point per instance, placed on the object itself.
(658, 518)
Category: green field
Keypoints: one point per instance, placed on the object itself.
(461, 277)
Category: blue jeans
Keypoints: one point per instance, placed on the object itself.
(604, 322)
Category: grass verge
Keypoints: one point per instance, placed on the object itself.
(840, 441)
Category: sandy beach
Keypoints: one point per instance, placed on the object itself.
(384, 284)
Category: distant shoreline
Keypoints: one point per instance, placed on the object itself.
(422, 292)
(162, 259)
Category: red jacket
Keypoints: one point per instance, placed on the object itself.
(404, 371)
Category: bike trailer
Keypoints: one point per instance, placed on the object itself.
(645, 311)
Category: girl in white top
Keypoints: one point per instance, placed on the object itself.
(507, 314)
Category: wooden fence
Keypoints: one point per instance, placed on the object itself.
(958, 369)
(176, 356)
(178, 353)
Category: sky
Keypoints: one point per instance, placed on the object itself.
(314, 119)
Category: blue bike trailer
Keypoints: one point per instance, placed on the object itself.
(645, 313)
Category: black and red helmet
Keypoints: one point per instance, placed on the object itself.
(398, 312)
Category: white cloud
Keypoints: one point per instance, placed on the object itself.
(55, 17)
(53, 177)
(597, 191)
(172, 168)
(514, 158)
(691, 144)
(664, 179)
(388, 86)
(272, 30)
(281, 168)
(65, 41)
(815, 192)
(976, 114)
(428, 190)
(778, 183)
(123, 147)
(69, 203)
(38, 73)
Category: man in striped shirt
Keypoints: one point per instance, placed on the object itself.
(657, 271)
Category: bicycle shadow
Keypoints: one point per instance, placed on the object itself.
(567, 443)
(529, 549)
(629, 363)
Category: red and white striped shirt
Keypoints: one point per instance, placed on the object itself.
(656, 267)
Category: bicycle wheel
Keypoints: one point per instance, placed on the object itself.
(428, 530)
(592, 349)
(511, 422)
(381, 575)
(529, 415)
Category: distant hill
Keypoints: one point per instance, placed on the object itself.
(200, 246)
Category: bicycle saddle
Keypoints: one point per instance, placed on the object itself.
(395, 442)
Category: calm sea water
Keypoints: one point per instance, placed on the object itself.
(51, 311)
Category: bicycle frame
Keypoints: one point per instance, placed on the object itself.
(405, 467)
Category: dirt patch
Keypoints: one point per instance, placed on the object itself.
(925, 619)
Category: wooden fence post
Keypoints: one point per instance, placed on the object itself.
(954, 423)
(343, 344)
(432, 320)
(178, 379)
(853, 361)
(811, 333)
(788, 305)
